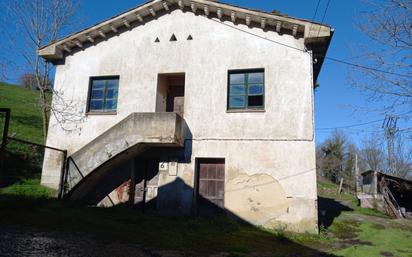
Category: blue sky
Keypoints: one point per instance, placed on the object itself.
(336, 103)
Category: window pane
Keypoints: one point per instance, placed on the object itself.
(255, 77)
(255, 101)
(112, 83)
(111, 93)
(237, 101)
(98, 84)
(111, 104)
(237, 78)
(96, 105)
(97, 94)
(255, 90)
(237, 90)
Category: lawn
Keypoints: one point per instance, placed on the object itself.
(22, 160)
(345, 228)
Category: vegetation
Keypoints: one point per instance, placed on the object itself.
(22, 160)
(345, 228)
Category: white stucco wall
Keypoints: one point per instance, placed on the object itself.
(274, 147)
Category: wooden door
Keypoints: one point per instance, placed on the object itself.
(211, 186)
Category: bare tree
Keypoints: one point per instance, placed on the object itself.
(35, 23)
(372, 154)
(403, 158)
(388, 25)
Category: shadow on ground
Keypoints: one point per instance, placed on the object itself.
(52, 228)
(329, 209)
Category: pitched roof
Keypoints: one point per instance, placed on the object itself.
(317, 36)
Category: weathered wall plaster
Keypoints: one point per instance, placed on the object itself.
(275, 146)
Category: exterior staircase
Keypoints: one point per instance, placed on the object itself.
(122, 142)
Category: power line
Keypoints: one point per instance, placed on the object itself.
(367, 68)
(314, 16)
(324, 15)
(321, 56)
(353, 125)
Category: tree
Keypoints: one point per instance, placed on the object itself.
(35, 23)
(332, 155)
(372, 154)
(388, 25)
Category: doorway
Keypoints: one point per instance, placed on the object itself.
(171, 93)
(210, 186)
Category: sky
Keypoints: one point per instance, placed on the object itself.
(337, 104)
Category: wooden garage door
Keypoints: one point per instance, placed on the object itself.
(212, 182)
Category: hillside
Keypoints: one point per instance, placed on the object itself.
(22, 161)
(26, 122)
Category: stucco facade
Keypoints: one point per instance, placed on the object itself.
(269, 154)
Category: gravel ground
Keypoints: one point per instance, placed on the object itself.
(14, 242)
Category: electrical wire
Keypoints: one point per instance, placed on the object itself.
(324, 15)
(321, 56)
(314, 16)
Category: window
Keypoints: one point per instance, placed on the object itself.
(103, 94)
(246, 89)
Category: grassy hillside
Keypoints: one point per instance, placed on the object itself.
(26, 122)
(22, 161)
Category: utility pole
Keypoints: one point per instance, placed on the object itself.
(390, 127)
(357, 175)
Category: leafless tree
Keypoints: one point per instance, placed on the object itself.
(388, 25)
(35, 23)
(372, 154)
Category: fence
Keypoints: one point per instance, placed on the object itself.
(21, 158)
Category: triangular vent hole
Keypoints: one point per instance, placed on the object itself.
(190, 37)
(157, 40)
(173, 38)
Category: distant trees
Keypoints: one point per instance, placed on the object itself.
(35, 23)
(335, 157)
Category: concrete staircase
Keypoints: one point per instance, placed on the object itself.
(124, 141)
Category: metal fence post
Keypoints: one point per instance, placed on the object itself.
(62, 175)
(4, 136)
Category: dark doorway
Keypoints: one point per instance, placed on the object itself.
(210, 186)
(170, 93)
(145, 183)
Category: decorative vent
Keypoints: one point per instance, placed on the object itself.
(173, 38)
(157, 40)
(190, 37)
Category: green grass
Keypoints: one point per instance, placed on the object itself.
(25, 204)
(33, 208)
(22, 160)
(27, 188)
(378, 240)
(26, 121)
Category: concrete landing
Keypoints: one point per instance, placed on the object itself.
(122, 142)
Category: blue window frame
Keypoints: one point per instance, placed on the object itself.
(246, 89)
(103, 94)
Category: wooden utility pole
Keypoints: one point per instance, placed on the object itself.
(357, 176)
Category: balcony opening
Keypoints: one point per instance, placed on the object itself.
(171, 93)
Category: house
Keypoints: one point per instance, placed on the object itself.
(190, 107)
(389, 194)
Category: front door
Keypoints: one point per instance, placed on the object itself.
(210, 186)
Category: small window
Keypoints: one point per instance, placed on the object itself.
(246, 89)
(103, 94)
